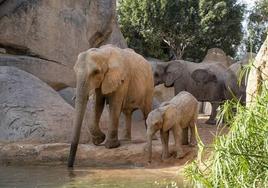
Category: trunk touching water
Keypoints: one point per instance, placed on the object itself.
(80, 107)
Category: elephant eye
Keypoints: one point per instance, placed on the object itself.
(156, 74)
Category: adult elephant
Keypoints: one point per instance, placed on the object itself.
(121, 78)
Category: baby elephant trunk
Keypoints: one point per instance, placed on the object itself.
(149, 145)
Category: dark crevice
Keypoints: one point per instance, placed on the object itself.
(15, 49)
(22, 50)
(98, 38)
(46, 59)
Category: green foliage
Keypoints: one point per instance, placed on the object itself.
(221, 24)
(185, 29)
(135, 18)
(240, 158)
(257, 25)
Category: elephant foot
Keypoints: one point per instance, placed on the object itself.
(97, 139)
(211, 121)
(112, 144)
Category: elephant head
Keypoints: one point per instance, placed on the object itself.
(163, 118)
(94, 69)
(168, 72)
(159, 71)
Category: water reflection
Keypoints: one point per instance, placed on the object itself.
(62, 177)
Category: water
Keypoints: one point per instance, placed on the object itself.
(79, 177)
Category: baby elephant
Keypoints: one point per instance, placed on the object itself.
(180, 112)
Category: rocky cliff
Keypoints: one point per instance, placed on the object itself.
(258, 74)
(47, 35)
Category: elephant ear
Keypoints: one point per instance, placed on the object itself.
(173, 72)
(169, 118)
(113, 78)
(203, 76)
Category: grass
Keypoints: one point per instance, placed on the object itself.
(240, 158)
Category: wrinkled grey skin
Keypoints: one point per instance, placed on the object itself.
(178, 113)
(205, 81)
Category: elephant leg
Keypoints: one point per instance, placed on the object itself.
(192, 137)
(146, 110)
(164, 140)
(115, 105)
(177, 138)
(127, 130)
(97, 135)
(184, 136)
(212, 117)
(181, 86)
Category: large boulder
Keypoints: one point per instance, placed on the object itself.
(54, 33)
(258, 74)
(32, 111)
(57, 75)
(68, 95)
(217, 55)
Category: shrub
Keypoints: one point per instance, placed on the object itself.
(240, 158)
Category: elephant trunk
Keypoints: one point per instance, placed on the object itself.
(149, 145)
(80, 107)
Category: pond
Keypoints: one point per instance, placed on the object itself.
(79, 177)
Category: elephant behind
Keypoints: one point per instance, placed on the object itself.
(210, 81)
(119, 77)
(178, 113)
(203, 80)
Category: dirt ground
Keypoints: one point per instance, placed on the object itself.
(129, 154)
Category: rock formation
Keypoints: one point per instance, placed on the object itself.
(217, 55)
(258, 73)
(68, 95)
(48, 35)
(32, 111)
